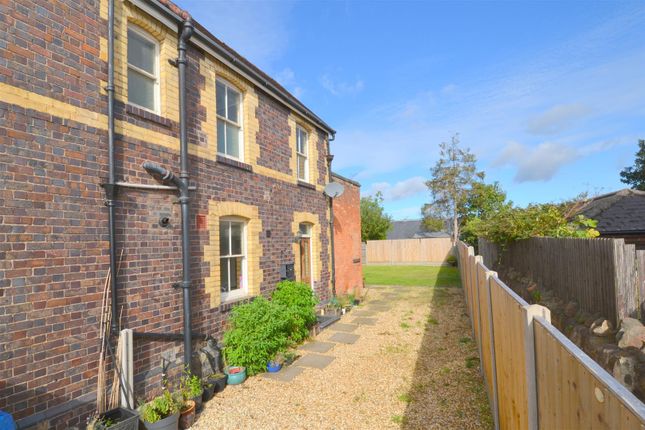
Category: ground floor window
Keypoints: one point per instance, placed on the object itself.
(304, 231)
(233, 270)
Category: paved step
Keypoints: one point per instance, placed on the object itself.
(365, 321)
(317, 361)
(286, 374)
(347, 338)
(317, 346)
(343, 327)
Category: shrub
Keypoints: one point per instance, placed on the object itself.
(300, 302)
(259, 330)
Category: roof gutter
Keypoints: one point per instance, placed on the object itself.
(170, 19)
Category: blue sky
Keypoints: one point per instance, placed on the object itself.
(550, 96)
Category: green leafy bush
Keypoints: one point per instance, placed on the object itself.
(300, 303)
(259, 330)
(262, 329)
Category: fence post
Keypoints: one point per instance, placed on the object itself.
(478, 259)
(495, 409)
(530, 312)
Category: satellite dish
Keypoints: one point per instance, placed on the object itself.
(333, 190)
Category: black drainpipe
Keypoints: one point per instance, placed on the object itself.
(330, 158)
(110, 187)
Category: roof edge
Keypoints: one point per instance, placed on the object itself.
(343, 178)
(168, 13)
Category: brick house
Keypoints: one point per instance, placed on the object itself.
(347, 237)
(259, 160)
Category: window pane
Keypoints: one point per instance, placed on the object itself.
(304, 228)
(141, 52)
(302, 171)
(223, 274)
(233, 105)
(303, 142)
(232, 141)
(221, 136)
(236, 238)
(236, 270)
(220, 92)
(141, 90)
(223, 238)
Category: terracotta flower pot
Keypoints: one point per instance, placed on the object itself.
(187, 415)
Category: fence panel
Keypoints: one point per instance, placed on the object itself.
(574, 392)
(408, 251)
(485, 337)
(508, 326)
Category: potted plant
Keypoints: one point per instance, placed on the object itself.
(161, 413)
(191, 389)
(115, 419)
(235, 374)
(187, 414)
(274, 365)
(209, 390)
(452, 260)
(218, 381)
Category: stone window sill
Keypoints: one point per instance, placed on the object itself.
(306, 185)
(147, 115)
(234, 163)
(230, 304)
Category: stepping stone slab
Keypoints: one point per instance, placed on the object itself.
(364, 320)
(316, 361)
(376, 302)
(343, 327)
(364, 313)
(286, 374)
(317, 346)
(347, 338)
(379, 308)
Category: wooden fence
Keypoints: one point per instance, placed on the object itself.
(600, 274)
(399, 251)
(535, 377)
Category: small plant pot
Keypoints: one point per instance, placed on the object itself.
(357, 302)
(273, 367)
(218, 383)
(169, 423)
(187, 415)
(123, 419)
(236, 374)
(198, 402)
(209, 392)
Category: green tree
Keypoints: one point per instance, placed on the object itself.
(452, 179)
(374, 221)
(635, 175)
(482, 201)
(432, 221)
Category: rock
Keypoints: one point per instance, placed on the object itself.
(631, 333)
(579, 336)
(625, 370)
(607, 355)
(571, 309)
(602, 327)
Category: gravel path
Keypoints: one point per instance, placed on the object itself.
(415, 368)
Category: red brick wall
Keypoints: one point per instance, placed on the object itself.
(53, 223)
(347, 239)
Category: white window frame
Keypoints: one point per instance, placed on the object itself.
(299, 132)
(157, 103)
(244, 288)
(240, 115)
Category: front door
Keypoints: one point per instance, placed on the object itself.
(305, 260)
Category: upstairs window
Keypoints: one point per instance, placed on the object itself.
(229, 120)
(143, 70)
(302, 153)
(232, 246)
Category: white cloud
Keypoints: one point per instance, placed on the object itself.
(542, 162)
(557, 119)
(287, 78)
(341, 88)
(400, 190)
(407, 213)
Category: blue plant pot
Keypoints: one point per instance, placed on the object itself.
(235, 378)
(273, 367)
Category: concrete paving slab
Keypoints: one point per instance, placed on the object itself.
(317, 346)
(286, 374)
(364, 313)
(316, 361)
(343, 327)
(365, 321)
(347, 338)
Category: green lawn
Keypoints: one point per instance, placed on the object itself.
(428, 276)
